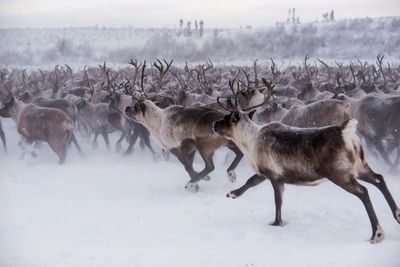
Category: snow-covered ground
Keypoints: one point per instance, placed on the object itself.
(346, 40)
(109, 210)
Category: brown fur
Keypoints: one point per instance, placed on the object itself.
(48, 125)
(285, 154)
(183, 131)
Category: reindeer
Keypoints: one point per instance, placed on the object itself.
(318, 114)
(101, 120)
(118, 103)
(62, 104)
(183, 131)
(379, 120)
(290, 155)
(36, 123)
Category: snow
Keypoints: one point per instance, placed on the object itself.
(109, 210)
(341, 40)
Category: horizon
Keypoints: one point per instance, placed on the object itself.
(221, 14)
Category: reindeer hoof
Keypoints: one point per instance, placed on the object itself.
(398, 215)
(232, 195)
(277, 223)
(127, 153)
(232, 176)
(156, 158)
(141, 145)
(378, 236)
(207, 178)
(194, 188)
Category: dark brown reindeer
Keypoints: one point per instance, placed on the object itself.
(102, 121)
(36, 124)
(285, 154)
(62, 104)
(379, 120)
(183, 131)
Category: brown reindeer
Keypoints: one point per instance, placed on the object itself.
(62, 104)
(286, 154)
(183, 131)
(36, 123)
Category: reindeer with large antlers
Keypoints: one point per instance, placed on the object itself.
(183, 131)
(285, 154)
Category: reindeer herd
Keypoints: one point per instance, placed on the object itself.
(295, 124)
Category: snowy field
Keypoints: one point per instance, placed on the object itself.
(347, 39)
(109, 210)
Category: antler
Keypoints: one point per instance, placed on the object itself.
(110, 82)
(327, 68)
(255, 72)
(137, 67)
(87, 79)
(379, 60)
(230, 106)
(142, 78)
(270, 88)
(162, 71)
(2, 76)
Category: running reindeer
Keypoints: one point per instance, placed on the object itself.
(286, 154)
(183, 131)
(40, 124)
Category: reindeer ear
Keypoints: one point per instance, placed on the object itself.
(236, 117)
(11, 101)
(274, 106)
(251, 114)
(142, 106)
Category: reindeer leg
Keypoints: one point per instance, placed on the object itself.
(75, 141)
(278, 190)
(351, 185)
(185, 155)
(27, 148)
(118, 144)
(95, 144)
(206, 149)
(378, 181)
(3, 139)
(252, 181)
(132, 140)
(207, 156)
(396, 164)
(378, 144)
(235, 162)
(60, 149)
(105, 137)
(146, 139)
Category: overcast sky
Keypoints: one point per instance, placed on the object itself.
(166, 13)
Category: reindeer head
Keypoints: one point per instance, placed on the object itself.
(137, 110)
(237, 118)
(6, 106)
(25, 97)
(81, 103)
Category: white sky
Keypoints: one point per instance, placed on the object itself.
(159, 13)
